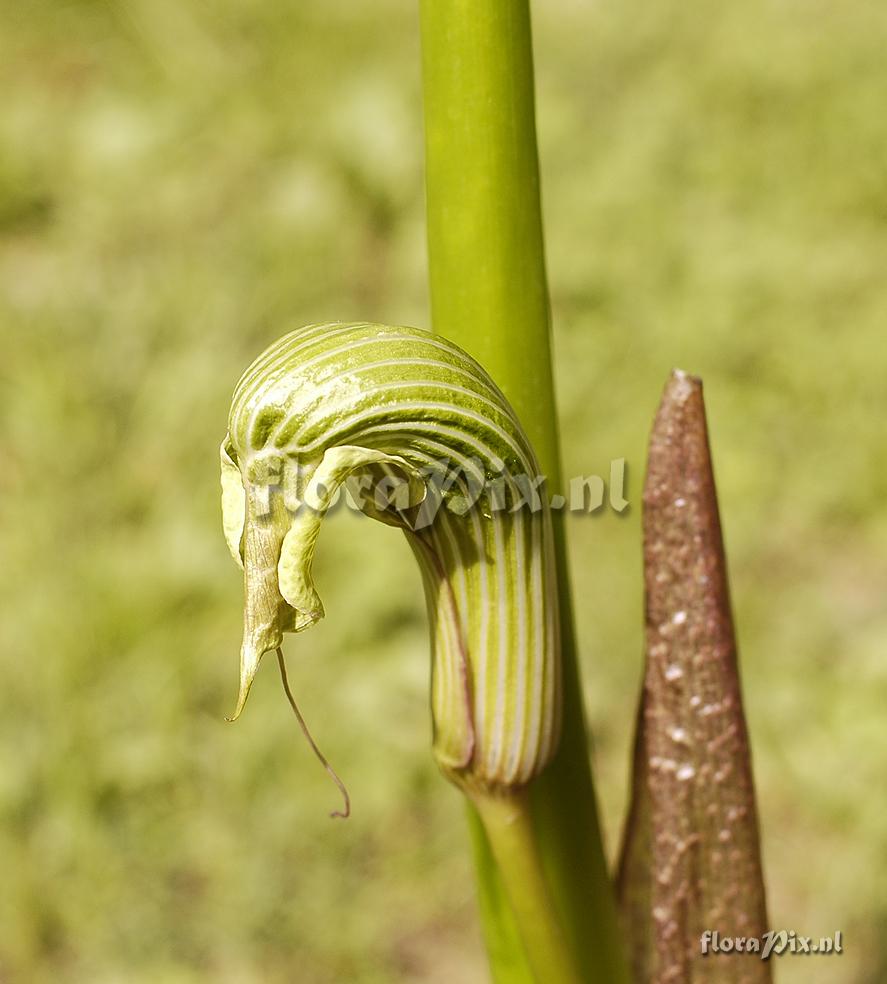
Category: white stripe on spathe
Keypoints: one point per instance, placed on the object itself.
(406, 402)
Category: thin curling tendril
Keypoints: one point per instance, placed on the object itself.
(346, 799)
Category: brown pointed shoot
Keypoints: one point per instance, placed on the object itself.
(690, 858)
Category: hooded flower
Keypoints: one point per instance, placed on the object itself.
(425, 441)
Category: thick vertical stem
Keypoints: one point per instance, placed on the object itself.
(508, 820)
(486, 254)
(489, 294)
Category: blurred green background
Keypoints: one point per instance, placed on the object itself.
(180, 182)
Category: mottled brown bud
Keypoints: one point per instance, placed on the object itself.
(691, 858)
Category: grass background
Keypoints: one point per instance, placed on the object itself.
(180, 182)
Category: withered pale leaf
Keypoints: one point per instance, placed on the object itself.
(233, 503)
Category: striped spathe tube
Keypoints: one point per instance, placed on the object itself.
(424, 440)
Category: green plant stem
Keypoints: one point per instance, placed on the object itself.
(489, 294)
(486, 259)
(508, 820)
